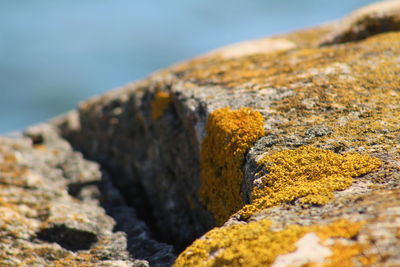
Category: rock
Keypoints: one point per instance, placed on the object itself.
(257, 154)
(370, 20)
(50, 204)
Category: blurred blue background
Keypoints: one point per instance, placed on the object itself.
(54, 54)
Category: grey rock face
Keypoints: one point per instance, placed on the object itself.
(51, 206)
(158, 157)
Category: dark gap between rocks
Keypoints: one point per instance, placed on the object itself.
(68, 238)
(142, 243)
(135, 221)
(133, 196)
(74, 189)
(122, 138)
(133, 200)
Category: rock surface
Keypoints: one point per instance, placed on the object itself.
(285, 145)
(53, 209)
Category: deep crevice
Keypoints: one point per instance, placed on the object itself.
(134, 196)
(126, 143)
(132, 219)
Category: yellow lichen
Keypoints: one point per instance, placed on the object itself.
(11, 172)
(308, 173)
(230, 133)
(351, 88)
(160, 102)
(254, 244)
(343, 255)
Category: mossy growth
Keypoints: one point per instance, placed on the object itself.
(230, 133)
(254, 244)
(307, 173)
(160, 102)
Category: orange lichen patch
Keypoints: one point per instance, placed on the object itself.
(343, 255)
(13, 223)
(11, 173)
(254, 244)
(230, 133)
(160, 102)
(81, 259)
(40, 147)
(308, 173)
(22, 253)
(8, 162)
(340, 228)
(85, 258)
(365, 260)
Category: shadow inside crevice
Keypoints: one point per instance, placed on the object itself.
(69, 238)
(134, 218)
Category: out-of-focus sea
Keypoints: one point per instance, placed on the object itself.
(54, 54)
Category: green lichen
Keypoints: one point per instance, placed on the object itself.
(230, 133)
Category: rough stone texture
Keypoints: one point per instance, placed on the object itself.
(159, 157)
(367, 21)
(51, 214)
(331, 92)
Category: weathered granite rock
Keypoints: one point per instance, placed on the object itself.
(50, 209)
(290, 145)
(365, 22)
